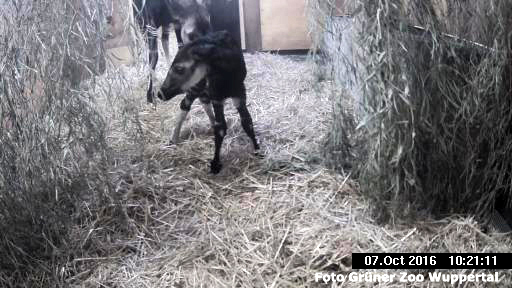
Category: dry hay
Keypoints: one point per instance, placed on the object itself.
(51, 137)
(434, 111)
(260, 222)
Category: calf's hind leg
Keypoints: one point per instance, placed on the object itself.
(201, 90)
(246, 120)
(220, 128)
(207, 106)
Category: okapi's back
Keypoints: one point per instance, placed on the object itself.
(228, 56)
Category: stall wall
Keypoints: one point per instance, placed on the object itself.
(284, 25)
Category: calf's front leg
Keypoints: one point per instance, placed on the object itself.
(185, 105)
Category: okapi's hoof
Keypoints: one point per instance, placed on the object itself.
(258, 154)
(160, 95)
(215, 167)
(149, 97)
(174, 140)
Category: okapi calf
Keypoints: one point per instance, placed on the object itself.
(217, 58)
(190, 18)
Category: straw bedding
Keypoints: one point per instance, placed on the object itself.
(133, 212)
(271, 222)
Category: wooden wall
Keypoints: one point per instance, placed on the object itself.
(284, 25)
(272, 25)
(252, 24)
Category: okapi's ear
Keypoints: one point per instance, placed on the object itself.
(202, 52)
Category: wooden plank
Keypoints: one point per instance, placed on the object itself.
(252, 25)
(284, 25)
(242, 23)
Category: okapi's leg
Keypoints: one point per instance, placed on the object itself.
(246, 120)
(177, 30)
(166, 30)
(153, 59)
(197, 91)
(200, 90)
(185, 105)
(220, 128)
(207, 106)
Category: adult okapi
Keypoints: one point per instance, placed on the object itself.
(217, 58)
(190, 18)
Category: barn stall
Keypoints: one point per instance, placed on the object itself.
(127, 210)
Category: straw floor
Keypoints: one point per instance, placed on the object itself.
(271, 222)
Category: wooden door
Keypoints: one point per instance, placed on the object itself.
(284, 25)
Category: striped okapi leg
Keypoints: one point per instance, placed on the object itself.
(207, 106)
(166, 30)
(153, 59)
(201, 90)
(185, 105)
(177, 30)
(246, 120)
(220, 128)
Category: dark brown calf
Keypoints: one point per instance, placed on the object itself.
(189, 17)
(217, 59)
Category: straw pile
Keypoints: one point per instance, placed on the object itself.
(436, 106)
(271, 222)
(53, 148)
(140, 214)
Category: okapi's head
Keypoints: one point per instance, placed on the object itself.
(215, 55)
(193, 17)
(188, 68)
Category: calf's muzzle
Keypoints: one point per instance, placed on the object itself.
(166, 93)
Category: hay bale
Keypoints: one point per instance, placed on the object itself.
(433, 107)
(334, 29)
(440, 108)
(53, 139)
